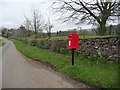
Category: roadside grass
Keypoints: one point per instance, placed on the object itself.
(1, 43)
(91, 70)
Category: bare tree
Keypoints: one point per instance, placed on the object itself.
(35, 23)
(118, 31)
(96, 12)
(48, 27)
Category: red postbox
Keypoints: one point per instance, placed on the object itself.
(73, 40)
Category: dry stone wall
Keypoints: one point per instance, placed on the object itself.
(99, 47)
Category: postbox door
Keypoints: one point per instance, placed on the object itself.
(72, 41)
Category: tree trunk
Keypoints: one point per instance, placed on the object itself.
(49, 35)
(102, 28)
(35, 35)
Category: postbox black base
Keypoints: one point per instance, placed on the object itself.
(73, 50)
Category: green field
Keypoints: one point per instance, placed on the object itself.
(65, 37)
(91, 70)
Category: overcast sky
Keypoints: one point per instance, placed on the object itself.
(12, 14)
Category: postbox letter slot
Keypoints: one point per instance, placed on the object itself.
(69, 43)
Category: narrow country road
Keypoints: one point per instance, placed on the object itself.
(19, 72)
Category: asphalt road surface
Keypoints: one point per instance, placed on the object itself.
(19, 71)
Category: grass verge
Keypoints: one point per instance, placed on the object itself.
(1, 43)
(90, 70)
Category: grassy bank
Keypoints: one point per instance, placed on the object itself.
(90, 70)
(1, 43)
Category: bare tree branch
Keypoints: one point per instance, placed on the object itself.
(97, 11)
